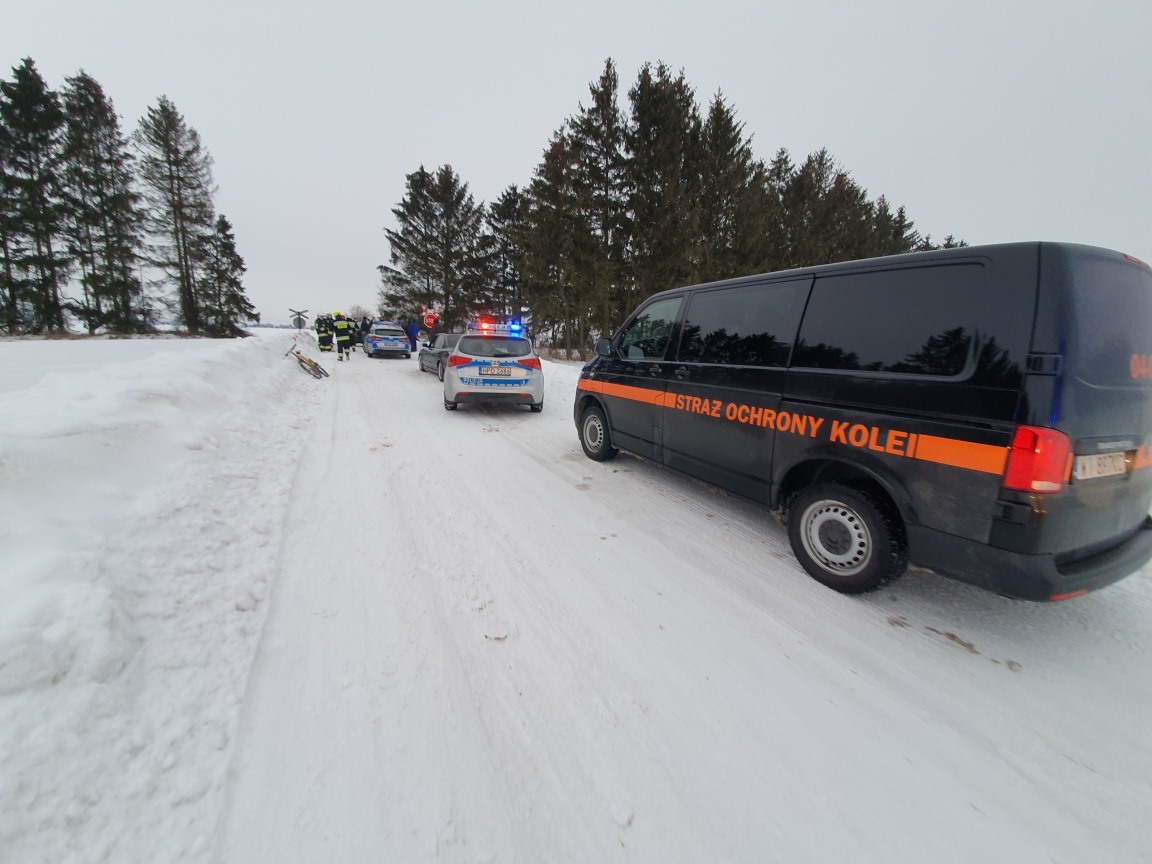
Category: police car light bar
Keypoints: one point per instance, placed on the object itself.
(489, 327)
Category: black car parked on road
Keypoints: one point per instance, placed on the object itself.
(433, 355)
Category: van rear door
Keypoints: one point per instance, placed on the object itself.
(1103, 400)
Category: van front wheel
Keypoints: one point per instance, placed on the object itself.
(594, 437)
(848, 539)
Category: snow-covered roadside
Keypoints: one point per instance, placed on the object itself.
(248, 616)
(129, 610)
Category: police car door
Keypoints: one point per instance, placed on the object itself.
(635, 374)
(723, 397)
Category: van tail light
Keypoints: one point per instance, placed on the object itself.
(529, 362)
(1039, 460)
(458, 360)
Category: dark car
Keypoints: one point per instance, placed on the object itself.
(433, 355)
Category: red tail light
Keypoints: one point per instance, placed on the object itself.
(529, 362)
(1039, 460)
(458, 360)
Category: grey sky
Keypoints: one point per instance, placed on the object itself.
(993, 121)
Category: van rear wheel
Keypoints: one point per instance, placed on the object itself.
(848, 539)
(594, 437)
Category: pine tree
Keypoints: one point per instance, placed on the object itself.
(224, 304)
(176, 174)
(36, 261)
(440, 249)
(105, 231)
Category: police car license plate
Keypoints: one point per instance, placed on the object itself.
(1099, 465)
(505, 371)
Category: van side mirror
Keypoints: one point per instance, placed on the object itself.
(604, 347)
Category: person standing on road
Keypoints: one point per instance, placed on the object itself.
(324, 332)
(413, 331)
(343, 329)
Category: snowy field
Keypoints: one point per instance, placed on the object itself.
(249, 616)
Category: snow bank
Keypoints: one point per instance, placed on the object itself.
(116, 585)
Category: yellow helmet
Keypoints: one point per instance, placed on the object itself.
(337, 312)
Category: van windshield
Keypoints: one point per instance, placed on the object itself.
(1113, 303)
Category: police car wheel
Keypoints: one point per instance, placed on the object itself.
(449, 406)
(536, 409)
(594, 436)
(440, 371)
(847, 539)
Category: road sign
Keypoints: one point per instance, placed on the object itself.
(429, 320)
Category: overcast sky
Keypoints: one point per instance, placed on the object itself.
(992, 120)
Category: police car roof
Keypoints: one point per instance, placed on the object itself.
(488, 328)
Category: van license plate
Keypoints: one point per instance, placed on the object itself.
(505, 371)
(1099, 465)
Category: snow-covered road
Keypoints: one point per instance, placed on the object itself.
(471, 643)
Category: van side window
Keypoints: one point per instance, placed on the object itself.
(919, 321)
(646, 336)
(752, 325)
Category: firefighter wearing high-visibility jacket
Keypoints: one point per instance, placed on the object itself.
(324, 332)
(343, 328)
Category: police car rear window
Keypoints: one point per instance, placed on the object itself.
(388, 331)
(494, 346)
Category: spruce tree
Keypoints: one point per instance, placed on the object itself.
(597, 134)
(827, 215)
(736, 207)
(505, 220)
(440, 253)
(176, 177)
(225, 306)
(662, 142)
(413, 287)
(13, 285)
(104, 226)
(559, 247)
(33, 218)
(892, 234)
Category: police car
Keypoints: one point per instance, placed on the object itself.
(493, 363)
(386, 337)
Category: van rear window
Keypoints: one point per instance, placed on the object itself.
(916, 321)
(1113, 302)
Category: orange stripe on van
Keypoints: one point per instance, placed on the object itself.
(623, 391)
(962, 454)
(987, 458)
